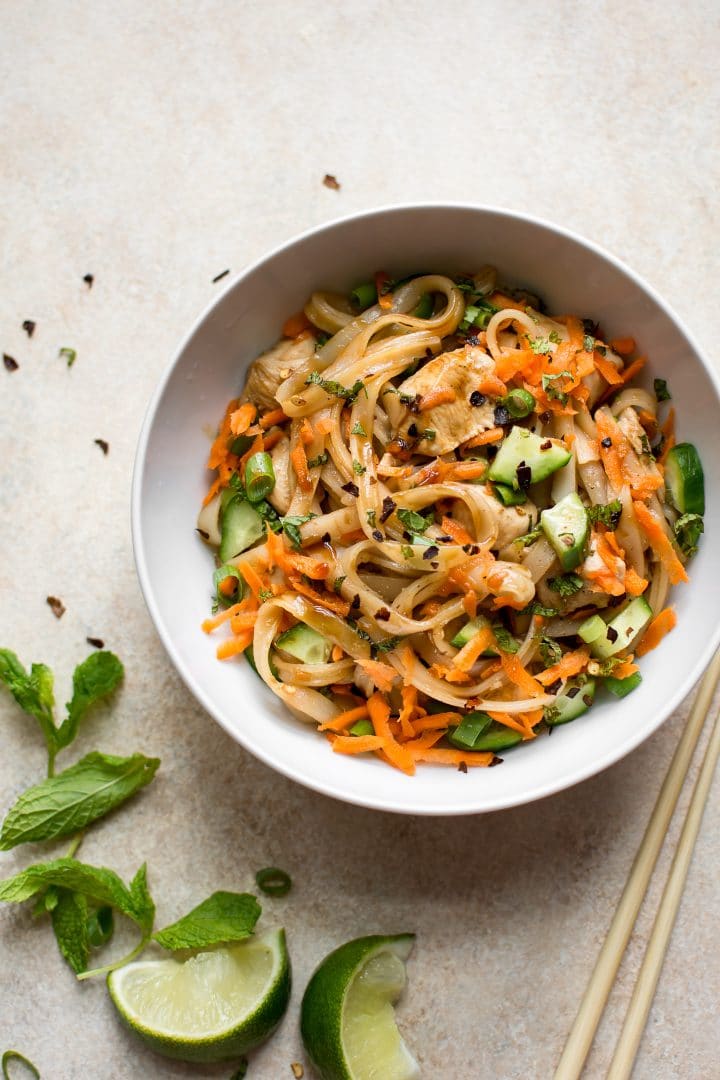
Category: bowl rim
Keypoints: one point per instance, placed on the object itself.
(372, 800)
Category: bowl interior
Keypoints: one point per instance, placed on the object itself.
(170, 481)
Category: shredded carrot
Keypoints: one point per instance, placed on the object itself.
(409, 705)
(441, 396)
(233, 646)
(298, 457)
(228, 586)
(383, 675)
(327, 600)
(382, 283)
(492, 435)
(625, 670)
(306, 432)
(667, 430)
(572, 663)
(272, 439)
(257, 447)
(508, 721)
(345, 719)
(337, 653)
(623, 346)
(517, 674)
(631, 370)
(492, 386)
(435, 721)
(661, 625)
(660, 543)
(275, 550)
(208, 625)
(449, 674)
(324, 425)
(244, 621)
(303, 564)
(358, 744)
(252, 578)
(608, 370)
(296, 324)
(476, 645)
(395, 753)
(454, 529)
(270, 419)
(634, 584)
(242, 418)
(465, 470)
(470, 603)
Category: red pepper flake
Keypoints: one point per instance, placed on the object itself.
(56, 606)
(104, 446)
(462, 767)
(10, 362)
(96, 642)
(219, 277)
(330, 181)
(29, 327)
(88, 279)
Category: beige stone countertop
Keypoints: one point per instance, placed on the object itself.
(155, 144)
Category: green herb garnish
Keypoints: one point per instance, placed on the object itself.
(291, 527)
(358, 469)
(529, 537)
(358, 429)
(224, 917)
(69, 354)
(336, 389)
(688, 530)
(504, 639)
(321, 459)
(548, 385)
(543, 344)
(661, 390)
(550, 651)
(413, 522)
(607, 515)
(566, 584)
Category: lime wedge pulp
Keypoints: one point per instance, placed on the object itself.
(347, 1018)
(215, 1005)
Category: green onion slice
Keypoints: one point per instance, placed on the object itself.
(273, 881)
(364, 296)
(519, 403)
(259, 476)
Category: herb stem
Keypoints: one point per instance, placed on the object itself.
(74, 845)
(117, 964)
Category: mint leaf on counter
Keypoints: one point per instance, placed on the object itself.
(64, 804)
(223, 917)
(93, 680)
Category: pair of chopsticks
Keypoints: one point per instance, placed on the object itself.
(594, 1000)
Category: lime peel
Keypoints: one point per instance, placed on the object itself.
(347, 1017)
(218, 1004)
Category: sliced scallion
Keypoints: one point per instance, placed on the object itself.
(273, 881)
(519, 403)
(364, 296)
(259, 476)
(362, 727)
(425, 307)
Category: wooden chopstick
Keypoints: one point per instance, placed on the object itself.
(596, 994)
(644, 992)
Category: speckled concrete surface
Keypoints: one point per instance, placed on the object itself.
(154, 145)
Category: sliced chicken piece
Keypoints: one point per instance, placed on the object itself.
(281, 494)
(454, 422)
(583, 598)
(273, 367)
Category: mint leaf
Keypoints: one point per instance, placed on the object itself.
(550, 651)
(223, 917)
(142, 901)
(504, 639)
(94, 882)
(68, 802)
(566, 584)
(33, 691)
(608, 514)
(69, 922)
(661, 390)
(291, 527)
(688, 530)
(100, 927)
(413, 522)
(94, 679)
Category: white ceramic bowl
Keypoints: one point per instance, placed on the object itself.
(175, 567)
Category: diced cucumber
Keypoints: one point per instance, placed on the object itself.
(364, 727)
(477, 731)
(591, 629)
(470, 728)
(469, 631)
(525, 458)
(684, 479)
(622, 687)
(508, 496)
(566, 526)
(575, 700)
(241, 527)
(249, 655)
(621, 631)
(305, 644)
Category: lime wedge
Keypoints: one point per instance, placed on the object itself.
(215, 1005)
(347, 1019)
